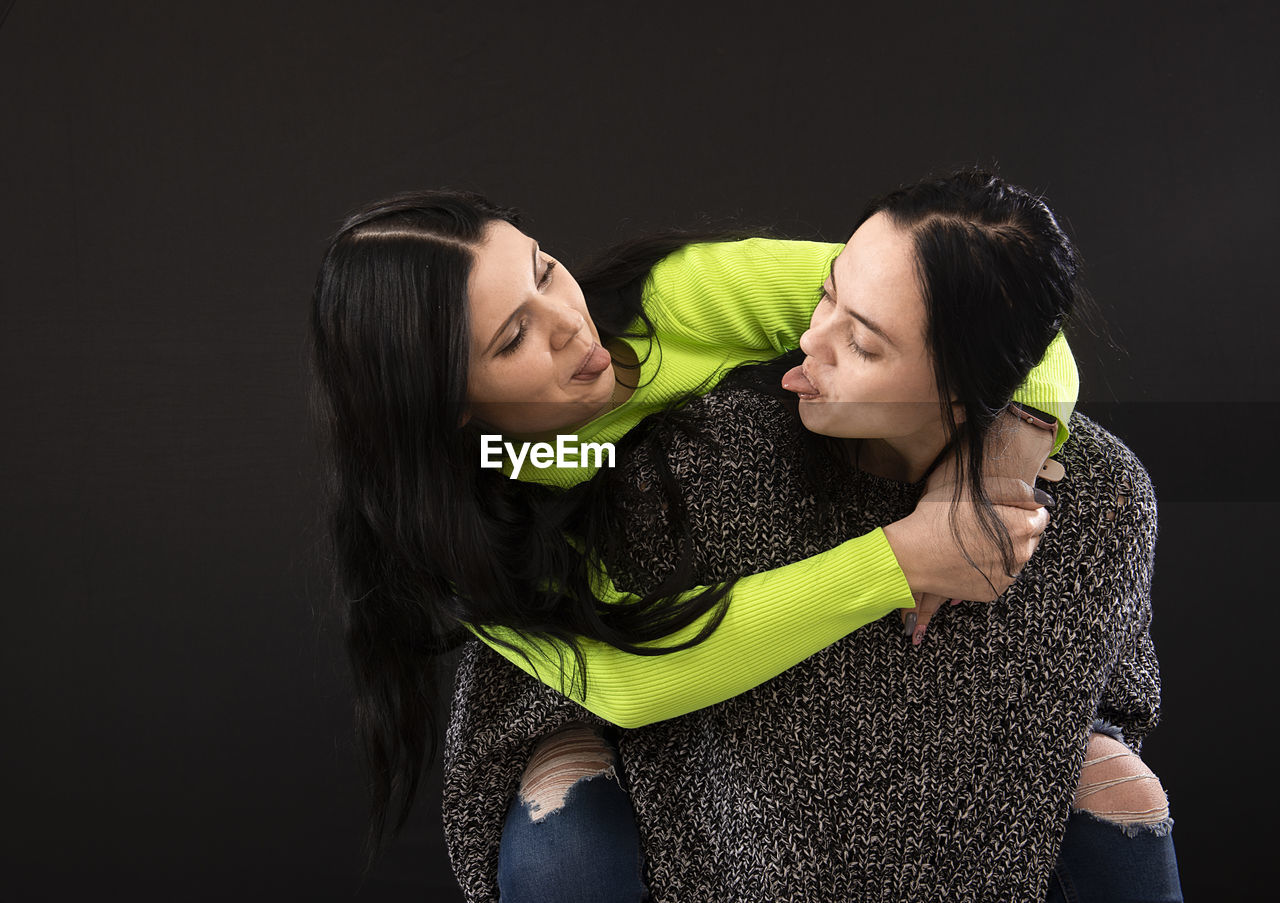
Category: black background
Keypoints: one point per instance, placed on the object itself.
(175, 707)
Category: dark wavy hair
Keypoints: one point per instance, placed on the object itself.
(423, 541)
(999, 278)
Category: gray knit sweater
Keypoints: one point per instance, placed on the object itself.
(874, 770)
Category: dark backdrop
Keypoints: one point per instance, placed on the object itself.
(176, 717)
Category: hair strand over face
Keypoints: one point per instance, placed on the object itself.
(999, 278)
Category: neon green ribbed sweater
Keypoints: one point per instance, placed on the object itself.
(714, 306)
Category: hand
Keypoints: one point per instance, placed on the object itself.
(932, 554)
(1016, 452)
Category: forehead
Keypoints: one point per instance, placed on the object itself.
(876, 276)
(501, 273)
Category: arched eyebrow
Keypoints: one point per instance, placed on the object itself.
(853, 313)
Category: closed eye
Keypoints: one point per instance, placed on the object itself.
(860, 351)
(511, 346)
(546, 274)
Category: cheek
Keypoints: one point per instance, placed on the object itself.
(477, 383)
(925, 387)
(861, 380)
(919, 396)
(894, 399)
(909, 382)
(501, 381)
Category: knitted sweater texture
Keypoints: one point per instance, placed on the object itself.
(873, 770)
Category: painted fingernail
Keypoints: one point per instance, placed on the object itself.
(910, 626)
(918, 637)
(1044, 498)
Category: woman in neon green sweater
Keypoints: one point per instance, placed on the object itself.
(437, 323)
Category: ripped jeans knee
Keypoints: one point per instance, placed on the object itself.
(1118, 845)
(1116, 786)
(570, 832)
(575, 753)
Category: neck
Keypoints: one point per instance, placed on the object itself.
(904, 459)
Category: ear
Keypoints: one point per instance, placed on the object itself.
(957, 411)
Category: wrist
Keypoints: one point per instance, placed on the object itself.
(1022, 449)
(904, 541)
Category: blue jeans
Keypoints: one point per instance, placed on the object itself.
(1101, 861)
(588, 851)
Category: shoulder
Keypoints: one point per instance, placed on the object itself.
(1104, 478)
(1099, 455)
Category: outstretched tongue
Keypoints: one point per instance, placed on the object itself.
(598, 361)
(796, 381)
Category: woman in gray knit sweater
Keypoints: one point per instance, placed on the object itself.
(877, 769)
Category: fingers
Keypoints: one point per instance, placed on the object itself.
(1023, 523)
(1035, 519)
(908, 615)
(1001, 583)
(944, 547)
(1016, 493)
(916, 620)
(1025, 528)
(925, 608)
(1000, 490)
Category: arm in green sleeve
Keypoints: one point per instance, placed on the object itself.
(1053, 386)
(776, 620)
(756, 294)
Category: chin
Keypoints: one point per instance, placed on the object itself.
(823, 419)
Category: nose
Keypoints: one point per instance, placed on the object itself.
(813, 340)
(567, 324)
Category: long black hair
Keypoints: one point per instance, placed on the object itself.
(423, 540)
(999, 278)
